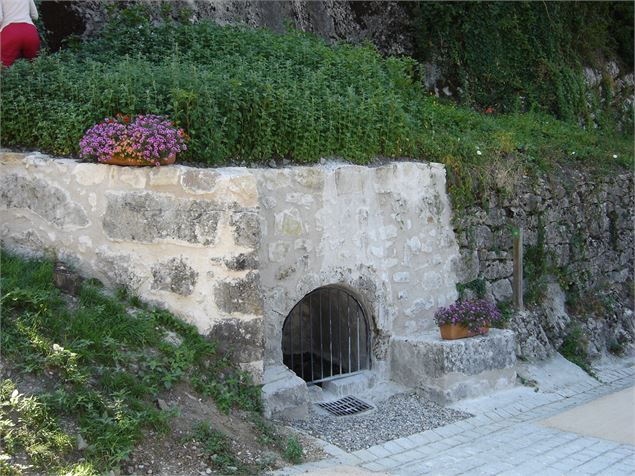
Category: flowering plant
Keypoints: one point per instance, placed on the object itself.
(146, 139)
(473, 314)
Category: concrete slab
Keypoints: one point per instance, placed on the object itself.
(554, 374)
(610, 418)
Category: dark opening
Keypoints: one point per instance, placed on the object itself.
(326, 335)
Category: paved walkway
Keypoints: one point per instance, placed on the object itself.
(513, 433)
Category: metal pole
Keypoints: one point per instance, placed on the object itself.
(517, 284)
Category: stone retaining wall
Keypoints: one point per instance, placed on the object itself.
(578, 240)
(232, 250)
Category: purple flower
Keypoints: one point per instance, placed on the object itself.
(148, 138)
(471, 314)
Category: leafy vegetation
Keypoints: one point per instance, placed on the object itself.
(574, 349)
(103, 360)
(251, 96)
(217, 448)
(516, 56)
(293, 450)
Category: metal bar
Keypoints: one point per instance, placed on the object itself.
(292, 343)
(348, 321)
(335, 377)
(359, 352)
(339, 335)
(311, 326)
(330, 328)
(321, 338)
(301, 344)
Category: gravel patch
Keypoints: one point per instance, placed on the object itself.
(398, 416)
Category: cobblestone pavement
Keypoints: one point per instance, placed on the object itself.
(505, 438)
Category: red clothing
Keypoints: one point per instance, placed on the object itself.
(18, 40)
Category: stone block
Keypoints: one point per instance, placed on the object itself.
(48, 201)
(242, 338)
(120, 269)
(174, 275)
(502, 290)
(241, 295)
(289, 223)
(246, 229)
(285, 395)
(242, 262)
(199, 180)
(452, 370)
(351, 385)
(149, 217)
(498, 269)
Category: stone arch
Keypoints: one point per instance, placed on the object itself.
(327, 335)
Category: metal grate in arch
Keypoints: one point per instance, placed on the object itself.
(326, 336)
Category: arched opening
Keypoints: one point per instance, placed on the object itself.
(326, 336)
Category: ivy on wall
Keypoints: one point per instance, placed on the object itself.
(518, 56)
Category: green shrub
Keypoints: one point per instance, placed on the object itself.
(525, 55)
(574, 348)
(293, 451)
(251, 96)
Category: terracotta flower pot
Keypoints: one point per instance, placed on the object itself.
(456, 331)
(132, 162)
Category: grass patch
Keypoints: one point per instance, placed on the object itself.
(217, 448)
(251, 95)
(574, 349)
(107, 359)
(293, 451)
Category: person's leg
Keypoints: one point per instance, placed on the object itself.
(30, 41)
(10, 44)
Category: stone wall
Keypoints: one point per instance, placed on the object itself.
(183, 238)
(384, 233)
(232, 250)
(578, 236)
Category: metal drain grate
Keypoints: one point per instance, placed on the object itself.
(345, 406)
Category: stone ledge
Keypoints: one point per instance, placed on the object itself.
(447, 371)
(285, 395)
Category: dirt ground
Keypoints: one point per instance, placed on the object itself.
(178, 452)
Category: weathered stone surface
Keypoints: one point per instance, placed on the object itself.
(246, 229)
(531, 341)
(119, 268)
(242, 262)
(447, 371)
(285, 395)
(579, 225)
(240, 295)
(49, 202)
(554, 318)
(174, 275)
(149, 217)
(199, 180)
(502, 290)
(242, 339)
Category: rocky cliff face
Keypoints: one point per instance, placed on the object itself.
(385, 24)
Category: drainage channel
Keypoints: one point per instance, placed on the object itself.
(348, 405)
